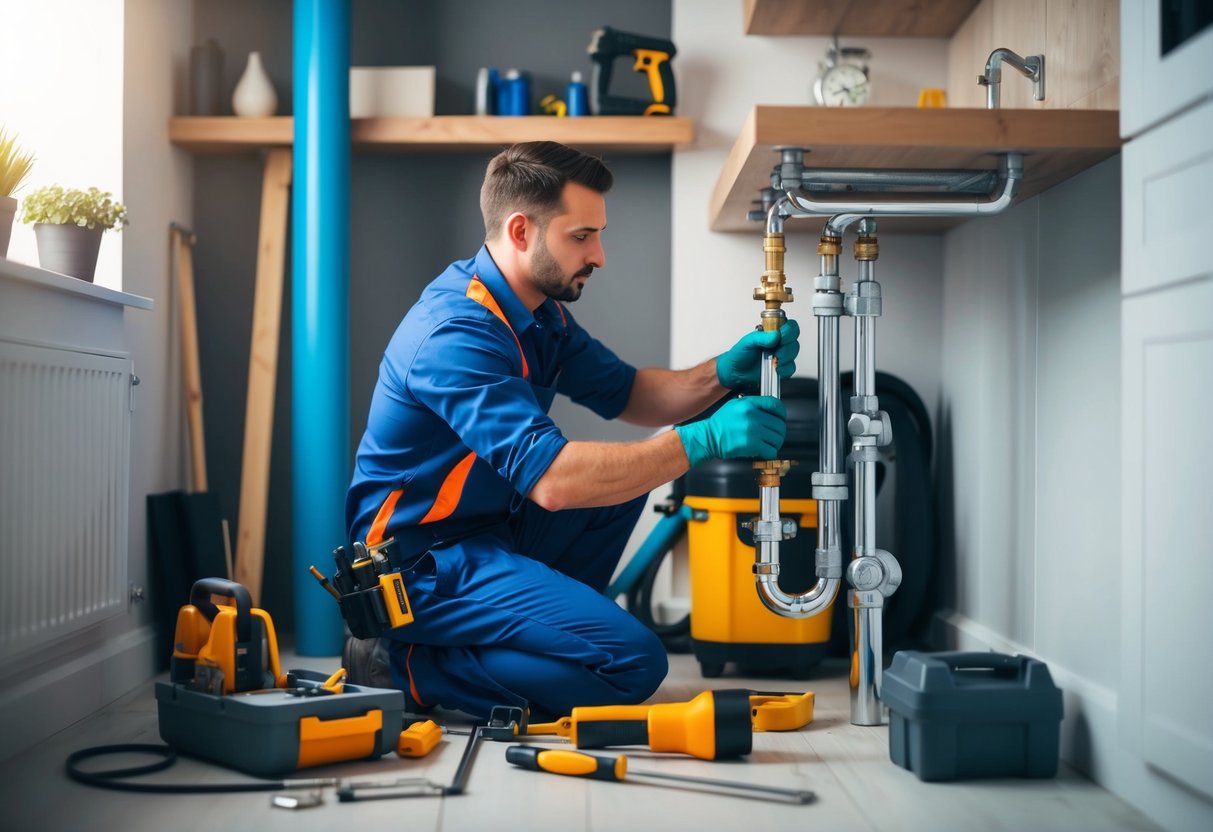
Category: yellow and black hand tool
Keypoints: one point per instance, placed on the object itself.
(713, 725)
(576, 764)
(228, 648)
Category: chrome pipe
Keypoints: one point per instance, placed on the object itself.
(804, 605)
(829, 455)
(776, 215)
(873, 573)
(843, 212)
(867, 615)
(860, 180)
(766, 565)
(865, 504)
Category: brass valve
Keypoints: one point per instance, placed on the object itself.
(774, 291)
(829, 244)
(771, 471)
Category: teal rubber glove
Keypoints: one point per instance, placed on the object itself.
(741, 366)
(749, 428)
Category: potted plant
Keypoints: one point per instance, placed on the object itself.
(14, 167)
(68, 224)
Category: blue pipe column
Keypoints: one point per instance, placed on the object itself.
(320, 312)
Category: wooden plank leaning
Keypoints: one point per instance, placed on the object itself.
(263, 370)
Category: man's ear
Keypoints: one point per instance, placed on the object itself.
(515, 229)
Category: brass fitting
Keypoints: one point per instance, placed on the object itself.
(829, 244)
(866, 248)
(774, 291)
(771, 471)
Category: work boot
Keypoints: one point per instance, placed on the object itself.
(366, 662)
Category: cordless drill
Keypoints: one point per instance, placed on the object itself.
(652, 57)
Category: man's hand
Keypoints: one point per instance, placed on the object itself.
(749, 428)
(740, 367)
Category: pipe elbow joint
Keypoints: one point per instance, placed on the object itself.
(805, 605)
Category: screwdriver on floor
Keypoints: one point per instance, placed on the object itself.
(579, 764)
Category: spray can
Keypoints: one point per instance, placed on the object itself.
(577, 97)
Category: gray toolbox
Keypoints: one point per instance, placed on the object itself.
(969, 715)
(272, 732)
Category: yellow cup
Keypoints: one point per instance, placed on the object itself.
(932, 97)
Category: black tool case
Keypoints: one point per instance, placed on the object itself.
(272, 732)
(970, 715)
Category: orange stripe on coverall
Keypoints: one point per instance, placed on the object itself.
(375, 536)
(478, 292)
(451, 490)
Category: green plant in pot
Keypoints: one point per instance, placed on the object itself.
(68, 224)
(15, 165)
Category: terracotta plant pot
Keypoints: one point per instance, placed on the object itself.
(8, 210)
(68, 249)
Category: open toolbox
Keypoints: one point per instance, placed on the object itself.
(274, 731)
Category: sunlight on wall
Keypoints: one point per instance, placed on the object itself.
(61, 94)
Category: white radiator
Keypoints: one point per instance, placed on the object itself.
(64, 465)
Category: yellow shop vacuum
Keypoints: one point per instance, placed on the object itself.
(728, 621)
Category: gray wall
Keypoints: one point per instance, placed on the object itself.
(411, 215)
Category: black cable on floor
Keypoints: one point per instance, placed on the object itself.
(112, 779)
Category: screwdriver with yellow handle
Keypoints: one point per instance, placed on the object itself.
(578, 764)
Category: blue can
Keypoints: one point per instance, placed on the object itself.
(515, 95)
(577, 96)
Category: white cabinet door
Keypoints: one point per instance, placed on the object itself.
(1155, 86)
(1166, 673)
(1167, 219)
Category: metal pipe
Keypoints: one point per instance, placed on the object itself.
(766, 565)
(872, 573)
(843, 212)
(867, 615)
(1032, 67)
(879, 181)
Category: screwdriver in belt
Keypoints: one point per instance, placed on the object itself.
(579, 764)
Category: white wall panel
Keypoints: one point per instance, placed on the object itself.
(989, 382)
(1078, 432)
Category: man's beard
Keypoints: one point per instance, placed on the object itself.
(549, 278)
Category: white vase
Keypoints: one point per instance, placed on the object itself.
(254, 96)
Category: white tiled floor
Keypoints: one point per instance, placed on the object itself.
(848, 767)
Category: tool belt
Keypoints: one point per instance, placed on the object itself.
(369, 589)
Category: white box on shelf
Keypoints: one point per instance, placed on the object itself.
(391, 91)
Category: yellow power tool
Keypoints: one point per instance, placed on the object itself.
(224, 648)
(650, 55)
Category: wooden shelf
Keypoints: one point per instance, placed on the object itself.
(869, 18)
(1056, 145)
(449, 134)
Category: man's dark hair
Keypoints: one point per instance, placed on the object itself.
(529, 177)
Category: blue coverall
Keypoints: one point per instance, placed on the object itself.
(506, 596)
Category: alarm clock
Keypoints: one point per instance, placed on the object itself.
(843, 80)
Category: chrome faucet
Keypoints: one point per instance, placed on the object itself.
(1033, 67)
